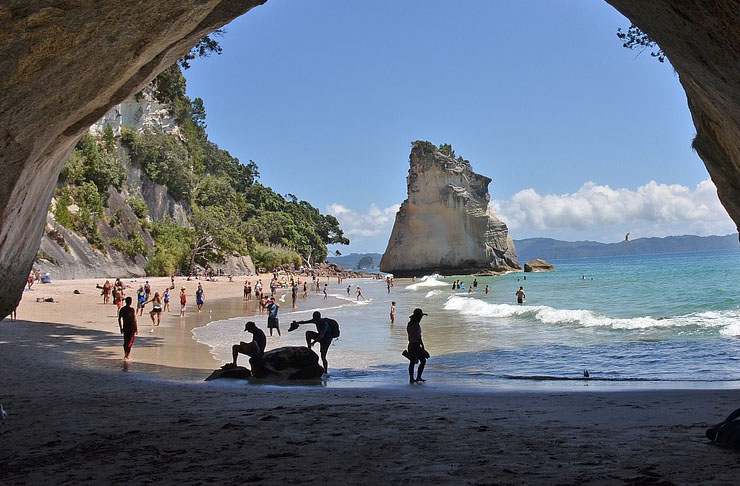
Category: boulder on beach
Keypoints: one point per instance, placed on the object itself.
(538, 266)
(230, 372)
(287, 363)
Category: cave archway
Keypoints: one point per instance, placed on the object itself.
(65, 64)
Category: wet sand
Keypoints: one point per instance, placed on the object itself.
(75, 417)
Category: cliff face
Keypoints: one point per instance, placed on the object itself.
(446, 225)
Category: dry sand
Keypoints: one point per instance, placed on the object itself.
(76, 417)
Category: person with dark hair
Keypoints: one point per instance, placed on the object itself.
(253, 349)
(415, 351)
(326, 331)
(127, 325)
(520, 296)
(273, 322)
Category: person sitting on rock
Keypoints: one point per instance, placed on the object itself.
(253, 349)
(323, 335)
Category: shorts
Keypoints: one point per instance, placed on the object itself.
(417, 352)
(324, 344)
(156, 309)
(519, 300)
(182, 307)
(128, 339)
(139, 305)
(273, 322)
(199, 302)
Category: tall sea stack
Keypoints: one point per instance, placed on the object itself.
(446, 224)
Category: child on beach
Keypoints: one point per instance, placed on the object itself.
(393, 312)
(183, 301)
(199, 297)
(156, 308)
(166, 296)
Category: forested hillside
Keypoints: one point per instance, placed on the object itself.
(216, 206)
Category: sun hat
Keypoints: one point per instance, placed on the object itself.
(417, 314)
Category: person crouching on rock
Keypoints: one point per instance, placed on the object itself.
(323, 335)
(415, 352)
(253, 349)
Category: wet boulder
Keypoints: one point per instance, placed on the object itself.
(287, 363)
(229, 371)
(538, 266)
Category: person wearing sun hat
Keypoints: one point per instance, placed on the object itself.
(415, 351)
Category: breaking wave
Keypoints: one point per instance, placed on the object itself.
(428, 281)
(726, 321)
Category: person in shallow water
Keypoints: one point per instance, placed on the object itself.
(323, 335)
(273, 321)
(415, 351)
(520, 296)
(127, 325)
(253, 349)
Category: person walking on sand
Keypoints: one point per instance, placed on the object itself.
(393, 312)
(415, 351)
(305, 289)
(199, 297)
(156, 308)
(326, 331)
(247, 287)
(140, 300)
(326, 295)
(520, 296)
(272, 318)
(359, 294)
(127, 325)
(106, 291)
(183, 301)
(294, 293)
(147, 290)
(166, 299)
(253, 349)
(117, 297)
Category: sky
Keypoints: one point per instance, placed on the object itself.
(583, 139)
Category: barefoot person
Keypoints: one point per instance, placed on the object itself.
(140, 300)
(183, 301)
(127, 325)
(272, 319)
(359, 294)
(156, 308)
(393, 312)
(166, 298)
(199, 297)
(326, 331)
(520, 295)
(415, 351)
(253, 349)
(106, 291)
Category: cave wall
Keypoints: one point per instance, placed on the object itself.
(701, 38)
(65, 63)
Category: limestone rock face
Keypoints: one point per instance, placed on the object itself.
(287, 363)
(446, 225)
(538, 266)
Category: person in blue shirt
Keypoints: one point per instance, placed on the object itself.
(272, 317)
(140, 300)
(199, 297)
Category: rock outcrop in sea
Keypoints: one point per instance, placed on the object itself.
(538, 265)
(446, 224)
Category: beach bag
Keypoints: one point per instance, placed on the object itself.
(333, 328)
(727, 433)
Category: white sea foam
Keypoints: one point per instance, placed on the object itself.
(432, 293)
(727, 321)
(427, 281)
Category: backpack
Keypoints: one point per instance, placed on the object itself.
(333, 328)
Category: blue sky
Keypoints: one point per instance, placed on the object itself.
(583, 140)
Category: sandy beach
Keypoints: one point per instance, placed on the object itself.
(75, 416)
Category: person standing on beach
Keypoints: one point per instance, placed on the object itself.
(415, 351)
(127, 325)
(183, 301)
(520, 296)
(272, 318)
(305, 289)
(324, 334)
(199, 297)
(253, 349)
(166, 298)
(247, 287)
(326, 295)
(393, 312)
(147, 289)
(388, 284)
(117, 297)
(294, 293)
(106, 291)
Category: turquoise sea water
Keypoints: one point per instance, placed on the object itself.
(650, 321)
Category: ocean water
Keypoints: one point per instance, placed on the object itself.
(668, 320)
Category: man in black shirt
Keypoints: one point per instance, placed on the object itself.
(323, 335)
(254, 349)
(127, 325)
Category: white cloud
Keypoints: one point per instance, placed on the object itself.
(359, 226)
(658, 209)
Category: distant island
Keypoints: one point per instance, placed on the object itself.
(550, 249)
(357, 261)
